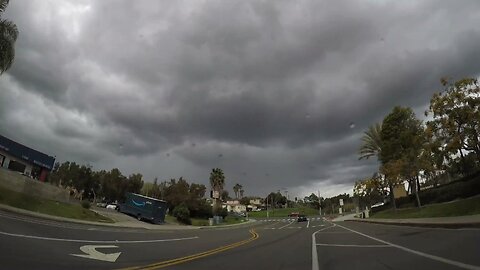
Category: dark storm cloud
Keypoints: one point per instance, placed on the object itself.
(275, 92)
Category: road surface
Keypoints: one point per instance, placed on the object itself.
(30, 243)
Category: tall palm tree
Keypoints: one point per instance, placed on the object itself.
(371, 142)
(8, 36)
(237, 189)
(217, 179)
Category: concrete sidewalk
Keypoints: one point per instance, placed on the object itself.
(439, 222)
(131, 224)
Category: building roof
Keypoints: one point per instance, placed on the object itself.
(26, 153)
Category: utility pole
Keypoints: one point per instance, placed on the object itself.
(273, 209)
(267, 205)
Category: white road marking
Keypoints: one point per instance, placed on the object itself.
(419, 253)
(361, 246)
(335, 232)
(314, 248)
(308, 223)
(286, 225)
(96, 241)
(272, 225)
(92, 253)
(293, 228)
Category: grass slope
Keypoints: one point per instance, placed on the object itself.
(49, 207)
(464, 207)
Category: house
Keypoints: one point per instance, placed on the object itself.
(235, 206)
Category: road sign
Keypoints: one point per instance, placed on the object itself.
(92, 253)
(341, 202)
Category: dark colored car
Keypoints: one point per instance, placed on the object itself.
(301, 218)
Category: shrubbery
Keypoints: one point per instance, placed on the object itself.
(465, 187)
(86, 204)
(182, 213)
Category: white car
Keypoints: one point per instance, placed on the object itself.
(112, 206)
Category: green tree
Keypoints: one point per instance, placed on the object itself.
(217, 182)
(236, 190)
(456, 122)
(245, 200)
(182, 213)
(177, 192)
(8, 36)
(224, 196)
(371, 142)
(370, 190)
(402, 138)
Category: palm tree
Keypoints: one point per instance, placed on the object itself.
(217, 180)
(236, 189)
(8, 36)
(371, 142)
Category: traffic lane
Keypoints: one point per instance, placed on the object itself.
(337, 248)
(24, 253)
(461, 245)
(274, 249)
(25, 227)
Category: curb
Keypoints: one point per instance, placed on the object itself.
(423, 224)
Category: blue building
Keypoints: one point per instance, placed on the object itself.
(18, 157)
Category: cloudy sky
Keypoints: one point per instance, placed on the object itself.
(277, 93)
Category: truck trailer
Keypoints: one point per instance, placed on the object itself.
(144, 208)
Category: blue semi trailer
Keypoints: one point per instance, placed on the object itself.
(144, 208)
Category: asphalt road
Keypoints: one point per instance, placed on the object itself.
(30, 243)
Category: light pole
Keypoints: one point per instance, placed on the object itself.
(267, 204)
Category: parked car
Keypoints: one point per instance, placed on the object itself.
(101, 204)
(112, 206)
(301, 218)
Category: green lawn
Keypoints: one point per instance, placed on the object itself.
(284, 212)
(457, 208)
(171, 220)
(49, 207)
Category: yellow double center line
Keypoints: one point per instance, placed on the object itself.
(195, 256)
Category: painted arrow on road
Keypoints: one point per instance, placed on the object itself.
(92, 253)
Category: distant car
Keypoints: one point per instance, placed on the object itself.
(294, 214)
(378, 205)
(112, 206)
(301, 218)
(100, 204)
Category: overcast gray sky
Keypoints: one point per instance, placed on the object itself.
(277, 93)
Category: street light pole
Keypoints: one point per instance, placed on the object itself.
(267, 205)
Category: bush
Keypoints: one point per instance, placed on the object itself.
(219, 211)
(465, 187)
(201, 210)
(182, 213)
(86, 204)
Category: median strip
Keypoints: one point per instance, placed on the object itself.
(196, 256)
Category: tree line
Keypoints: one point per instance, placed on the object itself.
(86, 183)
(409, 149)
